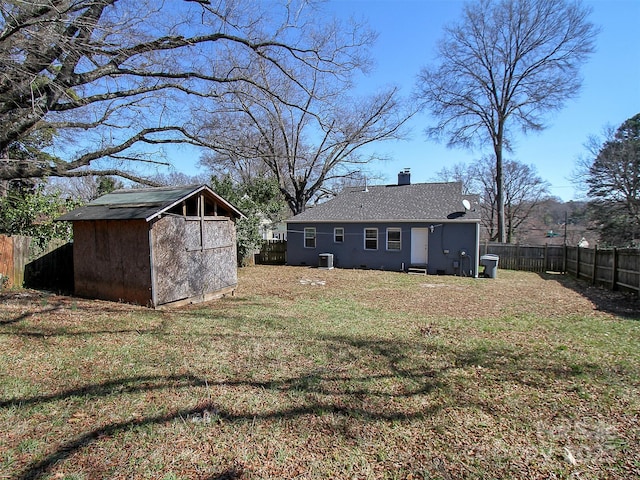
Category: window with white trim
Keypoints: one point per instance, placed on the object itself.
(394, 239)
(370, 238)
(338, 235)
(310, 237)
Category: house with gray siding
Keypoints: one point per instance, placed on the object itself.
(430, 227)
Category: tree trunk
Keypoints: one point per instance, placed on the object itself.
(500, 184)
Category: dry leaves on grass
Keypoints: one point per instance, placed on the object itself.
(323, 374)
(512, 293)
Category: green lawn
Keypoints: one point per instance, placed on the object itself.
(307, 373)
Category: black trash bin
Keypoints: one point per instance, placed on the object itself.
(490, 264)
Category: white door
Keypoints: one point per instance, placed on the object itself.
(419, 241)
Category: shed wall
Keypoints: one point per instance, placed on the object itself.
(193, 257)
(111, 260)
(445, 244)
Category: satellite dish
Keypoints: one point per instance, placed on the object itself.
(466, 204)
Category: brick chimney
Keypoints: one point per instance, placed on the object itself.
(404, 177)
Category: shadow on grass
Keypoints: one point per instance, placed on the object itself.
(25, 315)
(626, 305)
(66, 449)
(511, 365)
(335, 394)
(326, 391)
(49, 329)
(102, 309)
(117, 386)
(35, 303)
(229, 474)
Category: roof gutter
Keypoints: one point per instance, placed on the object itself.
(382, 220)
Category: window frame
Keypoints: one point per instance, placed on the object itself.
(399, 241)
(314, 237)
(335, 235)
(371, 229)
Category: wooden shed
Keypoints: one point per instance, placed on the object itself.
(155, 246)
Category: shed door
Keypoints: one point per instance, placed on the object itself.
(193, 258)
(419, 242)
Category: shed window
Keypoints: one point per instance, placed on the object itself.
(310, 237)
(394, 239)
(370, 238)
(338, 235)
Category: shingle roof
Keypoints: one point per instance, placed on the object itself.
(143, 203)
(395, 203)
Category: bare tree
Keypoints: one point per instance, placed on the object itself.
(505, 64)
(305, 139)
(460, 172)
(113, 79)
(523, 191)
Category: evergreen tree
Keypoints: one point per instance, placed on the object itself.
(614, 186)
(259, 199)
(31, 212)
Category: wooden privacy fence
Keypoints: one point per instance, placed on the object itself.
(531, 258)
(14, 255)
(272, 252)
(613, 268)
(51, 269)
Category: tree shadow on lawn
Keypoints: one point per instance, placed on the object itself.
(34, 303)
(326, 392)
(13, 327)
(25, 315)
(229, 474)
(304, 384)
(626, 305)
(99, 308)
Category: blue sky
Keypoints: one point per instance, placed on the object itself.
(408, 31)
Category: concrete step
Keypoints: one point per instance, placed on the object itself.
(417, 271)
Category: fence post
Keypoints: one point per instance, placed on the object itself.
(637, 272)
(614, 273)
(578, 263)
(595, 264)
(546, 259)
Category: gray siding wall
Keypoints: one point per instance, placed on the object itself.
(445, 245)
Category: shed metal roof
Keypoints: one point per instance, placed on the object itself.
(143, 203)
(395, 203)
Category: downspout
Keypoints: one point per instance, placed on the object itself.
(476, 265)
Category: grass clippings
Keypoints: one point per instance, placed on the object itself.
(309, 373)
